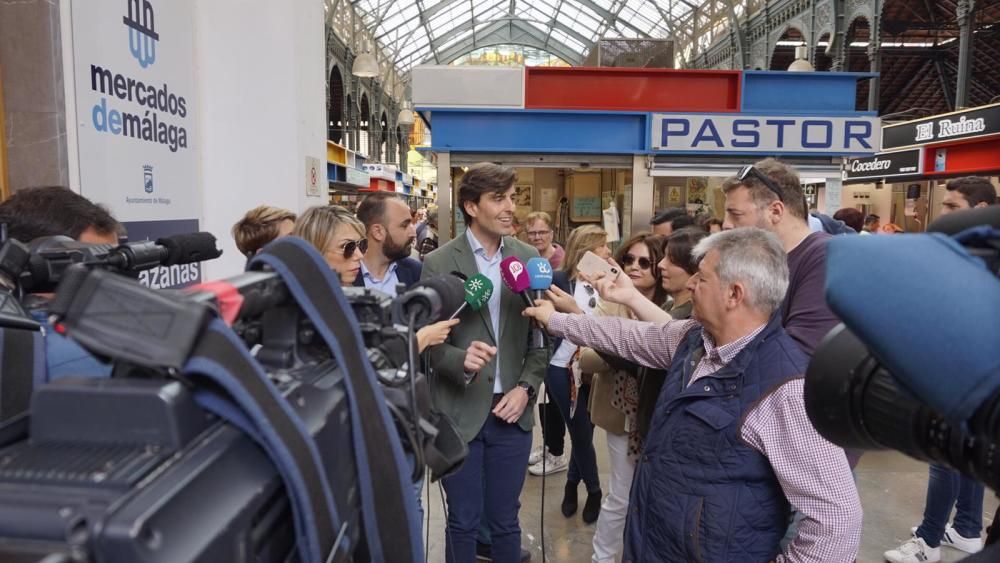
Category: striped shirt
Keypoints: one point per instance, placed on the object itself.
(813, 473)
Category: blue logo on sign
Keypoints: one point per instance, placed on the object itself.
(142, 36)
(147, 178)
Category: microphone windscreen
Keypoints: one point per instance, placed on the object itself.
(954, 223)
(450, 294)
(888, 291)
(478, 290)
(514, 275)
(539, 273)
(189, 248)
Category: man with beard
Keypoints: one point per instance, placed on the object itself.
(390, 232)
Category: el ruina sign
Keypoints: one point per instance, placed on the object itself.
(884, 165)
(975, 122)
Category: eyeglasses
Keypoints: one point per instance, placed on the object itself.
(629, 259)
(537, 234)
(749, 170)
(352, 245)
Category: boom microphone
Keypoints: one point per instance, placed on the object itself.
(188, 248)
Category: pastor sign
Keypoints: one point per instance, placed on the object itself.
(769, 134)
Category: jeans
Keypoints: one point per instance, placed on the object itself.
(611, 522)
(583, 459)
(947, 488)
(553, 426)
(498, 454)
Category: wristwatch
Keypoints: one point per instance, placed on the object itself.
(527, 389)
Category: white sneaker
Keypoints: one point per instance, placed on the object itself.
(957, 541)
(914, 550)
(536, 455)
(553, 464)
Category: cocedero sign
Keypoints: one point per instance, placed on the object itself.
(884, 165)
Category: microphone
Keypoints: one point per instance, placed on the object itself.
(516, 278)
(478, 290)
(428, 301)
(188, 248)
(540, 276)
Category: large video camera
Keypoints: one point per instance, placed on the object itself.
(196, 450)
(916, 365)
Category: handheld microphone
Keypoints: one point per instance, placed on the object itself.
(540, 276)
(478, 290)
(516, 278)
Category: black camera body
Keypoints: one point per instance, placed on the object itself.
(137, 467)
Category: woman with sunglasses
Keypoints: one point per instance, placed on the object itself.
(338, 234)
(561, 384)
(614, 392)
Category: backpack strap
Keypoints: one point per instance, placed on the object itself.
(389, 507)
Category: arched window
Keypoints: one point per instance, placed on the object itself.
(335, 109)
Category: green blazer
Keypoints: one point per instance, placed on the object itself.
(469, 405)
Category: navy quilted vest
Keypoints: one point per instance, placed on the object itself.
(700, 493)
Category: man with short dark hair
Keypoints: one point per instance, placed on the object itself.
(669, 220)
(485, 374)
(968, 192)
(948, 489)
(851, 217)
(390, 231)
(54, 210)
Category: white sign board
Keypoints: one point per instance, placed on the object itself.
(769, 134)
(315, 177)
(133, 65)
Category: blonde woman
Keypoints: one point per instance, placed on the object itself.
(340, 237)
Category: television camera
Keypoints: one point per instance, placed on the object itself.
(196, 449)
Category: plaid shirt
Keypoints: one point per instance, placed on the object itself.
(813, 473)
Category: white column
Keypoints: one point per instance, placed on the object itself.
(832, 195)
(260, 71)
(642, 195)
(444, 196)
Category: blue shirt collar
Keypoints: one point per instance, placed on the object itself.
(477, 247)
(367, 274)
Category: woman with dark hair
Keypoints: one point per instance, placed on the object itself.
(614, 392)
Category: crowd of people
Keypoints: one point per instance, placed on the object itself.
(690, 356)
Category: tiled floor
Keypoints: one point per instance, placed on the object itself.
(892, 492)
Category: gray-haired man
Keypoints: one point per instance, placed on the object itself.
(730, 444)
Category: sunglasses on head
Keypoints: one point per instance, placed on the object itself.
(630, 259)
(352, 245)
(749, 170)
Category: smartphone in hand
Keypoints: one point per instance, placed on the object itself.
(591, 265)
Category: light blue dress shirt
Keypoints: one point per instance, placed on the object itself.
(387, 284)
(490, 267)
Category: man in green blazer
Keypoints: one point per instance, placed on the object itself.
(485, 376)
